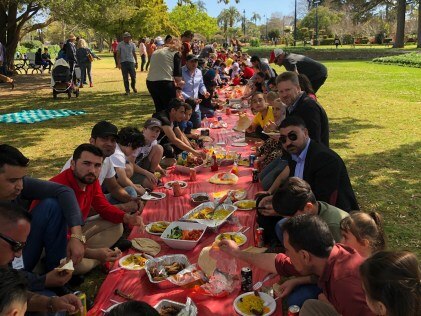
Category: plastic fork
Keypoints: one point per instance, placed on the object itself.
(259, 284)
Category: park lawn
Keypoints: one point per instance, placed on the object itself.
(375, 122)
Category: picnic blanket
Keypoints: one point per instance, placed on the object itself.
(33, 116)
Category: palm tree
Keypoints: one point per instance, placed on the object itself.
(201, 6)
(223, 20)
(255, 17)
(234, 16)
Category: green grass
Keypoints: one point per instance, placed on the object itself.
(375, 122)
(410, 60)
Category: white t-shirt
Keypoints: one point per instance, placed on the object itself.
(144, 151)
(118, 159)
(107, 169)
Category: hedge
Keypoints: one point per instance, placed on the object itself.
(408, 60)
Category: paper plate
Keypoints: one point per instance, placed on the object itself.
(265, 297)
(132, 266)
(148, 197)
(169, 184)
(239, 144)
(149, 226)
(249, 208)
(227, 234)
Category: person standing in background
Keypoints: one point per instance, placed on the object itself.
(150, 48)
(142, 53)
(127, 61)
(186, 38)
(114, 50)
(84, 61)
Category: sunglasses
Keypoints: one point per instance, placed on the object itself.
(15, 245)
(291, 136)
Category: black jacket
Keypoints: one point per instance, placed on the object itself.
(315, 118)
(328, 177)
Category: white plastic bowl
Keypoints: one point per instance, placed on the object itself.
(182, 244)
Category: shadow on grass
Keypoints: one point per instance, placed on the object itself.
(384, 174)
(343, 129)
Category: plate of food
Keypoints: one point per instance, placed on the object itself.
(162, 268)
(224, 178)
(169, 308)
(200, 197)
(239, 238)
(245, 205)
(235, 195)
(183, 235)
(249, 304)
(135, 261)
(272, 134)
(146, 245)
(206, 215)
(157, 228)
(218, 124)
(170, 184)
(153, 196)
(239, 144)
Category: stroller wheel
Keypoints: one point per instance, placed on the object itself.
(69, 95)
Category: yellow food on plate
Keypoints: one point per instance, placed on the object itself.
(207, 213)
(252, 305)
(135, 261)
(245, 205)
(224, 178)
(158, 227)
(232, 236)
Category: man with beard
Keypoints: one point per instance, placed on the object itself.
(300, 104)
(104, 136)
(15, 225)
(103, 232)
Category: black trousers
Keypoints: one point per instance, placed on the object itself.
(317, 83)
(161, 92)
(142, 65)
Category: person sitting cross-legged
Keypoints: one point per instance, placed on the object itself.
(99, 233)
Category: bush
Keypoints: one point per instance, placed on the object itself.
(327, 41)
(255, 42)
(32, 45)
(408, 60)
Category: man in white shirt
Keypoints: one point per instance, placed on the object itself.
(104, 136)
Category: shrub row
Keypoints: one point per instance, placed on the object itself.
(409, 60)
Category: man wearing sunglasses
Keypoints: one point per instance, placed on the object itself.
(57, 211)
(300, 104)
(14, 230)
(313, 162)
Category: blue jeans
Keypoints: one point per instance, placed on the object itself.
(302, 293)
(86, 68)
(196, 119)
(49, 232)
(130, 190)
(128, 68)
(269, 174)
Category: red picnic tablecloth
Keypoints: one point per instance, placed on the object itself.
(171, 209)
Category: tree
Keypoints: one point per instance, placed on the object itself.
(326, 18)
(190, 18)
(234, 16)
(223, 20)
(419, 24)
(255, 16)
(400, 25)
(190, 2)
(201, 6)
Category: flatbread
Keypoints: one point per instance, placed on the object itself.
(65, 266)
(243, 123)
(146, 245)
(205, 262)
(224, 178)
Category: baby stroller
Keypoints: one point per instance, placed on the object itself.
(64, 79)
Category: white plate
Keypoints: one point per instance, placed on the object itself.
(148, 197)
(233, 233)
(274, 135)
(265, 297)
(239, 140)
(244, 209)
(148, 228)
(131, 267)
(168, 185)
(239, 144)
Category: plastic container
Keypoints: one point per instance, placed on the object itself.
(178, 243)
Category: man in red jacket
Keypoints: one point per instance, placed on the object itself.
(102, 232)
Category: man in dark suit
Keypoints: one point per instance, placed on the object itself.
(320, 166)
(300, 104)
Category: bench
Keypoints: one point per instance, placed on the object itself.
(31, 64)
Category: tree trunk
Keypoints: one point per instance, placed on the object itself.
(400, 27)
(419, 24)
